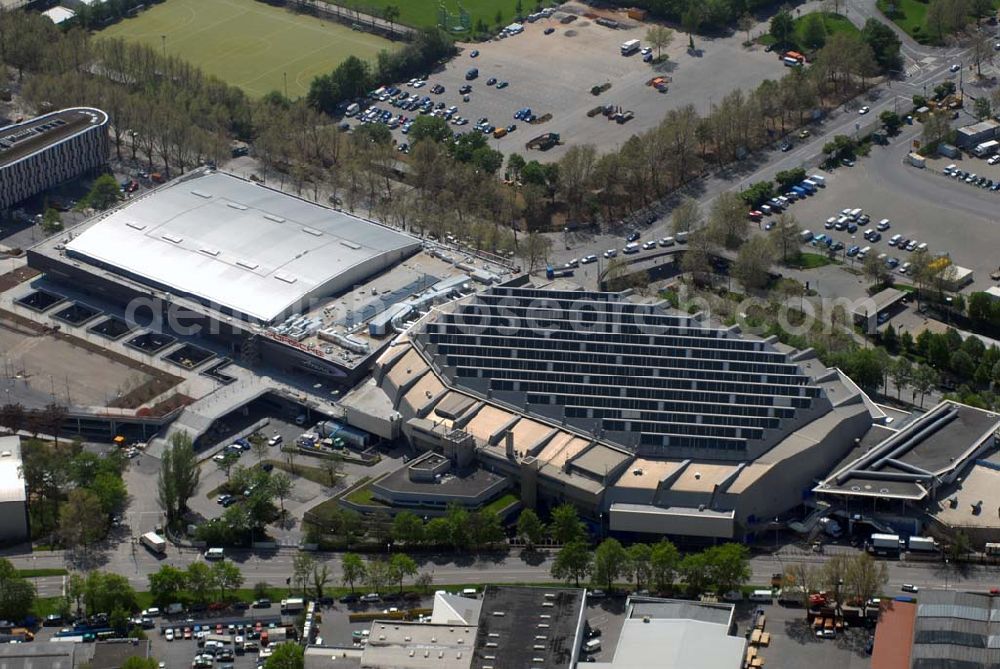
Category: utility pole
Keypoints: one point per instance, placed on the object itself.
(163, 41)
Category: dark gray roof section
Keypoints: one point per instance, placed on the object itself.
(930, 451)
(29, 137)
(640, 376)
(522, 627)
(956, 630)
(39, 655)
(719, 614)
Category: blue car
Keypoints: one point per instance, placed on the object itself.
(853, 251)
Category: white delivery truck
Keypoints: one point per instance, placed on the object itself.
(154, 542)
(630, 47)
(987, 148)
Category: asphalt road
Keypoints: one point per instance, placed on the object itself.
(276, 566)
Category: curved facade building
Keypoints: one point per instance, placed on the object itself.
(657, 421)
(49, 150)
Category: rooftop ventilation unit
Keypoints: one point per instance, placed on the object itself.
(312, 231)
(135, 226)
(173, 238)
(212, 252)
(272, 217)
(247, 264)
(350, 244)
(236, 205)
(201, 193)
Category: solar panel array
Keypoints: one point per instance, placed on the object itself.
(635, 374)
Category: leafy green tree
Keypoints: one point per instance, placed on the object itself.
(458, 526)
(728, 566)
(104, 193)
(891, 121)
(286, 656)
(566, 526)
(640, 563)
(200, 580)
(166, 584)
(610, 562)
(104, 592)
(813, 31)
(782, 27)
(530, 528)
(281, 486)
(227, 577)
(17, 594)
(484, 528)
(402, 566)
(81, 519)
(438, 531)
(664, 560)
(572, 562)
(407, 528)
(694, 569)
(51, 221)
(686, 216)
(791, 177)
(433, 128)
(178, 477)
(110, 491)
(352, 568)
(302, 568)
(320, 577)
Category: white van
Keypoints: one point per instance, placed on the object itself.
(471, 593)
(818, 179)
(806, 235)
(592, 646)
(855, 214)
(631, 247)
(895, 239)
(215, 554)
(761, 596)
(863, 252)
(352, 109)
(922, 246)
(682, 237)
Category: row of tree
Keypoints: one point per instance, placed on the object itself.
(848, 578)
(196, 584)
(725, 567)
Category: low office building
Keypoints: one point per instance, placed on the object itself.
(435, 482)
(943, 466)
(675, 634)
(656, 421)
(50, 150)
(13, 493)
(970, 136)
(404, 645)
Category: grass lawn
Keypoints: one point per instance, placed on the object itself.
(38, 573)
(834, 23)
(422, 13)
(249, 44)
(812, 261)
(314, 474)
(909, 15)
(501, 503)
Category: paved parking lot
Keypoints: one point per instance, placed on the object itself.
(608, 616)
(793, 644)
(553, 74)
(920, 204)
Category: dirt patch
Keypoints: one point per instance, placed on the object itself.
(17, 277)
(162, 408)
(158, 382)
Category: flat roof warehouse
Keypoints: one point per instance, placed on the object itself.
(250, 251)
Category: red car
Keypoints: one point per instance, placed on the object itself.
(133, 186)
(187, 632)
(756, 215)
(218, 629)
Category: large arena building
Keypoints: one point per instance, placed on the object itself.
(270, 276)
(657, 421)
(244, 250)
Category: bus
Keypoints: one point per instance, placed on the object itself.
(154, 542)
(992, 549)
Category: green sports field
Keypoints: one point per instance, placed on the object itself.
(249, 44)
(422, 13)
